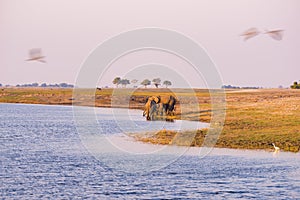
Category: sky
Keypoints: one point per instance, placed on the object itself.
(68, 31)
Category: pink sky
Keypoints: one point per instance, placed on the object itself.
(67, 31)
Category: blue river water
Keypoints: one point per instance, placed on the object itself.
(44, 155)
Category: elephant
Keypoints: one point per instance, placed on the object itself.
(150, 107)
(167, 105)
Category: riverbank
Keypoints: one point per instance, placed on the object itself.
(254, 118)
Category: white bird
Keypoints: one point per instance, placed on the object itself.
(36, 55)
(275, 34)
(250, 33)
(275, 147)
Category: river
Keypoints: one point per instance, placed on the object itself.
(44, 154)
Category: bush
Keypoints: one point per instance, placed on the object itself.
(295, 85)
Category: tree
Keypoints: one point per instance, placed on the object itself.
(34, 85)
(116, 81)
(296, 85)
(63, 85)
(146, 82)
(124, 82)
(167, 83)
(156, 82)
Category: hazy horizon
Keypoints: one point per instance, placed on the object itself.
(68, 31)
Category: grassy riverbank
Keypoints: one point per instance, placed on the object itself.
(254, 118)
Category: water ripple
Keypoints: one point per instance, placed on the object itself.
(42, 157)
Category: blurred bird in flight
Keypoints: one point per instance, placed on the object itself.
(275, 34)
(36, 55)
(252, 32)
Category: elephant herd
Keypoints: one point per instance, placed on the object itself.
(159, 106)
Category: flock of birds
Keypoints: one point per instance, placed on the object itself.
(252, 32)
(36, 53)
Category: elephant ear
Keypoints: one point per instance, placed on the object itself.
(173, 98)
(165, 99)
(157, 99)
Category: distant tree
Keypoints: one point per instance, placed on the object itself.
(0, 85)
(230, 87)
(124, 82)
(116, 81)
(65, 85)
(156, 82)
(53, 85)
(146, 82)
(34, 85)
(296, 85)
(167, 83)
(43, 85)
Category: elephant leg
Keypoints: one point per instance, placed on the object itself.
(151, 116)
(171, 105)
(148, 114)
(165, 109)
(159, 109)
(147, 109)
(152, 110)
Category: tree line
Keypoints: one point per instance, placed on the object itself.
(238, 87)
(146, 82)
(56, 85)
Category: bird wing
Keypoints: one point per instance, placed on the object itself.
(35, 53)
(41, 60)
(250, 33)
(276, 35)
(246, 37)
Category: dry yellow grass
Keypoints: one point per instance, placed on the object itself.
(254, 118)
